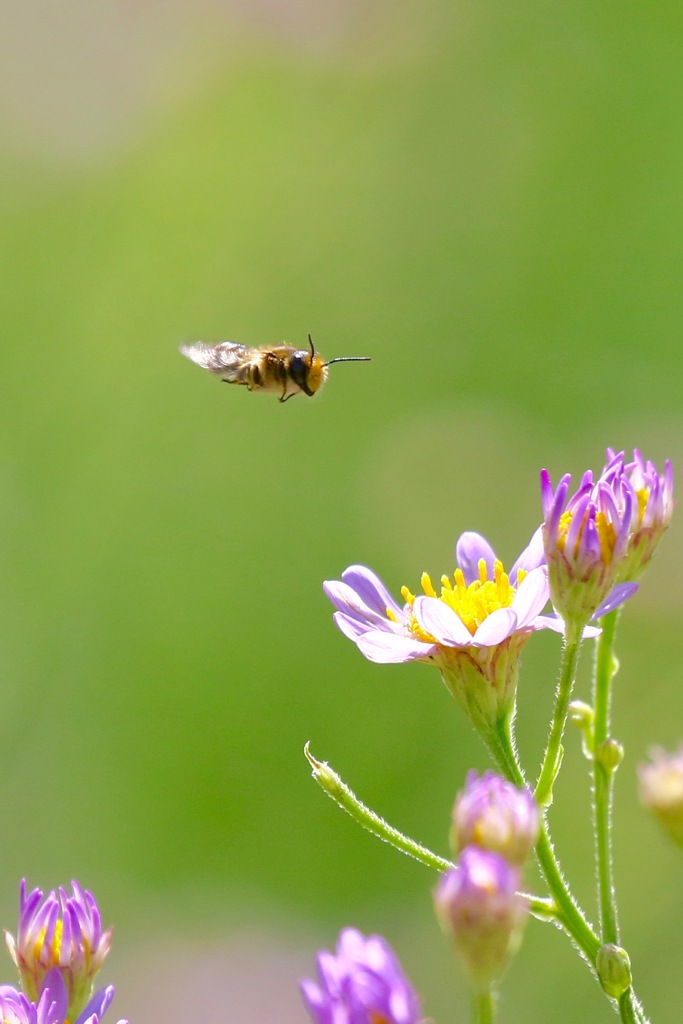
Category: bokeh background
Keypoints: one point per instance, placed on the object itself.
(486, 199)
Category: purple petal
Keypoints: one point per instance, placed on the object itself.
(370, 589)
(532, 596)
(390, 648)
(495, 628)
(441, 622)
(469, 550)
(532, 556)
(346, 600)
(618, 595)
(351, 628)
(99, 1004)
(54, 982)
(555, 623)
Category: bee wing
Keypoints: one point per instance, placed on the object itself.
(225, 359)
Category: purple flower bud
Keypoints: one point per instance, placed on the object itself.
(661, 790)
(479, 907)
(61, 934)
(495, 815)
(362, 984)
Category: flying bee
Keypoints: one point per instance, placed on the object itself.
(282, 368)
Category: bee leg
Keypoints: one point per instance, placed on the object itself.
(285, 398)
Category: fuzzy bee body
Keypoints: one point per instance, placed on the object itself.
(282, 369)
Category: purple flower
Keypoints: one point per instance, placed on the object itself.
(62, 932)
(473, 630)
(493, 814)
(598, 540)
(51, 1006)
(638, 487)
(479, 907)
(362, 984)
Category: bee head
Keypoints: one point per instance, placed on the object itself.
(306, 370)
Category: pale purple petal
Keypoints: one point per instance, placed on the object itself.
(441, 622)
(495, 628)
(532, 596)
(346, 600)
(531, 558)
(556, 624)
(618, 595)
(351, 628)
(390, 648)
(370, 589)
(469, 551)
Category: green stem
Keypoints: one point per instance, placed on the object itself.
(629, 1009)
(553, 753)
(483, 1007)
(568, 912)
(603, 777)
(335, 788)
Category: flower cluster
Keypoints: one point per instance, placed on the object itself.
(59, 949)
(362, 983)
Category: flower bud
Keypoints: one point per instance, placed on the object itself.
(478, 905)
(495, 815)
(614, 970)
(609, 755)
(661, 790)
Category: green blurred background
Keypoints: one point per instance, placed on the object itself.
(488, 201)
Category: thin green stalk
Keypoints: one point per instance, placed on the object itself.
(553, 753)
(483, 1007)
(568, 912)
(603, 777)
(629, 1008)
(335, 788)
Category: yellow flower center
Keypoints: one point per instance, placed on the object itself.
(607, 535)
(472, 603)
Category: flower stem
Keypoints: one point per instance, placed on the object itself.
(606, 666)
(552, 758)
(335, 788)
(567, 913)
(483, 1007)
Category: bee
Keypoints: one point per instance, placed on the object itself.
(282, 368)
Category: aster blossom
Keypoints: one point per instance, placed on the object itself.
(494, 814)
(599, 539)
(62, 932)
(649, 495)
(362, 983)
(473, 630)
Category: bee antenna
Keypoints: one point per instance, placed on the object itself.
(310, 342)
(349, 359)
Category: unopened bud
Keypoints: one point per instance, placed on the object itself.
(609, 755)
(478, 905)
(495, 815)
(614, 970)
